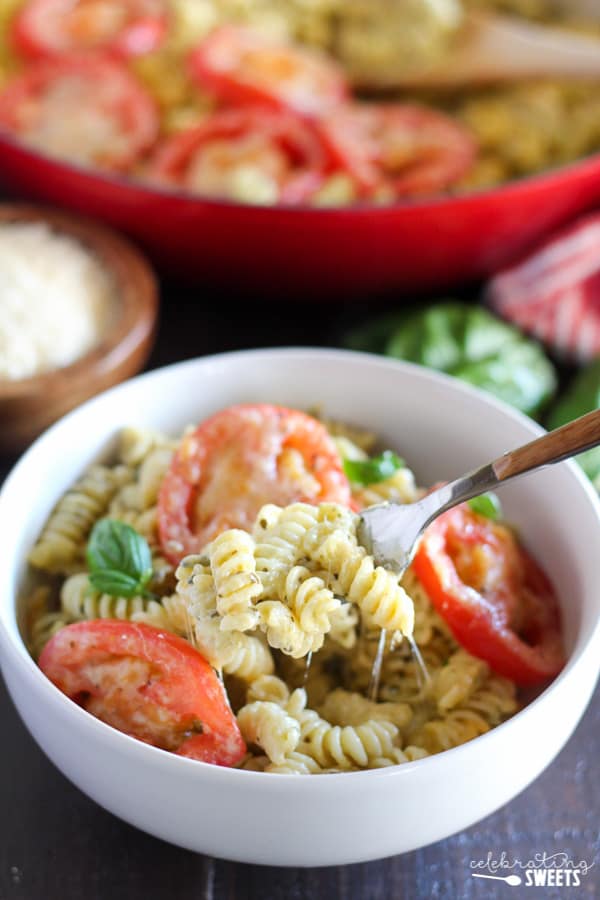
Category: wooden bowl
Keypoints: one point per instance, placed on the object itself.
(29, 405)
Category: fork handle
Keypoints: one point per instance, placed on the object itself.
(570, 439)
(391, 532)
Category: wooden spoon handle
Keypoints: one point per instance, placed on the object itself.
(494, 48)
(570, 439)
(505, 48)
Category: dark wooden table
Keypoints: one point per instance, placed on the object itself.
(55, 844)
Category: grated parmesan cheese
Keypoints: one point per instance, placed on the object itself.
(55, 300)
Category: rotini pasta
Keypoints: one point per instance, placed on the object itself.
(253, 763)
(237, 585)
(284, 632)
(279, 727)
(151, 473)
(45, 627)
(269, 726)
(377, 593)
(269, 688)
(450, 730)
(397, 757)
(43, 622)
(344, 621)
(135, 444)
(346, 747)
(279, 534)
(310, 600)
(79, 601)
(495, 699)
(295, 763)
(455, 682)
(243, 655)
(61, 546)
(248, 658)
(289, 613)
(349, 708)
(400, 488)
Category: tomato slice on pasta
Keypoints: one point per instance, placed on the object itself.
(45, 28)
(497, 601)
(149, 684)
(253, 155)
(239, 66)
(400, 150)
(234, 463)
(88, 110)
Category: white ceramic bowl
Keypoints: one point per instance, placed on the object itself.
(442, 428)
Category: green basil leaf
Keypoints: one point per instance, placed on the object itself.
(448, 334)
(590, 463)
(520, 374)
(470, 343)
(117, 584)
(487, 505)
(581, 397)
(372, 336)
(370, 471)
(116, 551)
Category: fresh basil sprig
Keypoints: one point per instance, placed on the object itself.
(119, 560)
(487, 505)
(469, 343)
(370, 471)
(582, 395)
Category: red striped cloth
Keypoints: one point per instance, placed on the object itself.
(554, 294)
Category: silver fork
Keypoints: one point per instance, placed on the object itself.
(390, 532)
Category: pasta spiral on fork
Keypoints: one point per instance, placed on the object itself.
(244, 655)
(279, 542)
(310, 599)
(236, 582)
(284, 632)
(375, 591)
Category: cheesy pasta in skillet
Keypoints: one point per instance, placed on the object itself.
(278, 101)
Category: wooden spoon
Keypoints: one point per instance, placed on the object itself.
(492, 48)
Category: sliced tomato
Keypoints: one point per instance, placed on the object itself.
(87, 110)
(252, 155)
(147, 683)
(45, 28)
(497, 601)
(234, 463)
(239, 66)
(396, 149)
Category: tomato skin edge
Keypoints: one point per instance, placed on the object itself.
(287, 131)
(137, 111)
(181, 482)
(188, 686)
(471, 620)
(345, 134)
(143, 35)
(231, 89)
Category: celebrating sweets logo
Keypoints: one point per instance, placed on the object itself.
(542, 870)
